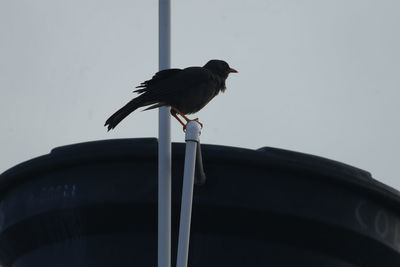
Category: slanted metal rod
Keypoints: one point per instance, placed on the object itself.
(192, 138)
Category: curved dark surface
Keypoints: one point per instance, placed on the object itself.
(95, 204)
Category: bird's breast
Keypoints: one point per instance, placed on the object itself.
(194, 99)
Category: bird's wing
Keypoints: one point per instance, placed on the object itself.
(156, 79)
(187, 85)
(186, 80)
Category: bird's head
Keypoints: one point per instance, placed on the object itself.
(220, 68)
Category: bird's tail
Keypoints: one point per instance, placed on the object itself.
(118, 116)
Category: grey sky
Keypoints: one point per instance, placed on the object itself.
(320, 77)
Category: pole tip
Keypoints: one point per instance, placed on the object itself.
(193, 131)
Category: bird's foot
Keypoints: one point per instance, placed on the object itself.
(196, 120)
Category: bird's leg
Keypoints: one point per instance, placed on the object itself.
(180, 113)
(174, 111)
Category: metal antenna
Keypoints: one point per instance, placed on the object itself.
(164, 141)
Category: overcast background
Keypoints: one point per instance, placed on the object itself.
(319, 77)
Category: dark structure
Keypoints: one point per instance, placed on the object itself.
(95, 204)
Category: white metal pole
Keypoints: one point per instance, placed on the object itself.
(192, 137)
(164, 141)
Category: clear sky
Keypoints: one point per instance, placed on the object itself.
(319, 77)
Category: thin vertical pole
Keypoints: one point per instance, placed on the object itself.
(164, 141)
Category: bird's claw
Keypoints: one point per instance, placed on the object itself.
(196, 120)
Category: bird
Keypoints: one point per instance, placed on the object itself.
(186, 91)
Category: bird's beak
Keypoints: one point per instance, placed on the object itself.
(233, 70)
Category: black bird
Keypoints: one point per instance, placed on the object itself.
(186, 91)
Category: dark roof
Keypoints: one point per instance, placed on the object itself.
(146, 148)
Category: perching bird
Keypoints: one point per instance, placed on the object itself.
(186, 91)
